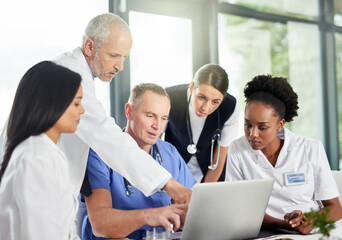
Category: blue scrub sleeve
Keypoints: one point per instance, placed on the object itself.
(98, 172)
(184, 177)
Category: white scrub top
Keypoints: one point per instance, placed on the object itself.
(228, 134)
(298, 155)
(36, 197)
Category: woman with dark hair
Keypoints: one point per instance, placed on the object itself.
(36, 197)
(203, 121)
(298, 164)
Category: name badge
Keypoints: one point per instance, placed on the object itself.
(296, 178)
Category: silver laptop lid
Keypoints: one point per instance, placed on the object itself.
(227, 210)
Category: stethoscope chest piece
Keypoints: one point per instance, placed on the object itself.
(192, 149)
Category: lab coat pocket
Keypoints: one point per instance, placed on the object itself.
(301, 192)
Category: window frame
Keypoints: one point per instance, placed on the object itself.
(204, 16)
(327, 29)
(199, 14)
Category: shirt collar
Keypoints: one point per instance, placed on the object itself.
(288, 137)
(89, 69)
(78, 50)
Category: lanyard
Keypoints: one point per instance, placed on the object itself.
(156, 155)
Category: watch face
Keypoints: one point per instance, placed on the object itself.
(192, 149)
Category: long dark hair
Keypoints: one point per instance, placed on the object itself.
(214, 75)
(43, 94)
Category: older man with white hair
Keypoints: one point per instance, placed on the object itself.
(106, 44)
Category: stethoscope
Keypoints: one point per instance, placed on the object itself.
(192, 149)
(157, 156)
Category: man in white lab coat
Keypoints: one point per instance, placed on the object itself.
(106, 43)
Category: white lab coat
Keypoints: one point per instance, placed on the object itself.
(98, 131)
(36, 198)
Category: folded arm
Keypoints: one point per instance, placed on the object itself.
(292, 221)
(334, 205)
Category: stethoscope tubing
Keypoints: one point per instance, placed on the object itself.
(157, 156)
(192, 149)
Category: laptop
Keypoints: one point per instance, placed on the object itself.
(226, 210)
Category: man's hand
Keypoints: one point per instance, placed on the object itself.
(172, 217)
(178, 192)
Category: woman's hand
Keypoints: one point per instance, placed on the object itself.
(294, 218)
(296, 221)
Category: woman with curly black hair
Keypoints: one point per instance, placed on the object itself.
(298, 164)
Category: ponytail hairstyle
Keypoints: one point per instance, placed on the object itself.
(43, 94)
(213, 75)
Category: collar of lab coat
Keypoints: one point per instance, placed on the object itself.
(78, 52)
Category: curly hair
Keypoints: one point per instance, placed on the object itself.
(275, 92)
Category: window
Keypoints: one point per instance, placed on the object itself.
(162, 49)
(338, 12)
(249, 47)
(40, 30)
(170, 42)
(338, 40)
(297, 39)
(305, 9)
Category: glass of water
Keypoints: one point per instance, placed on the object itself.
(158, 233)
